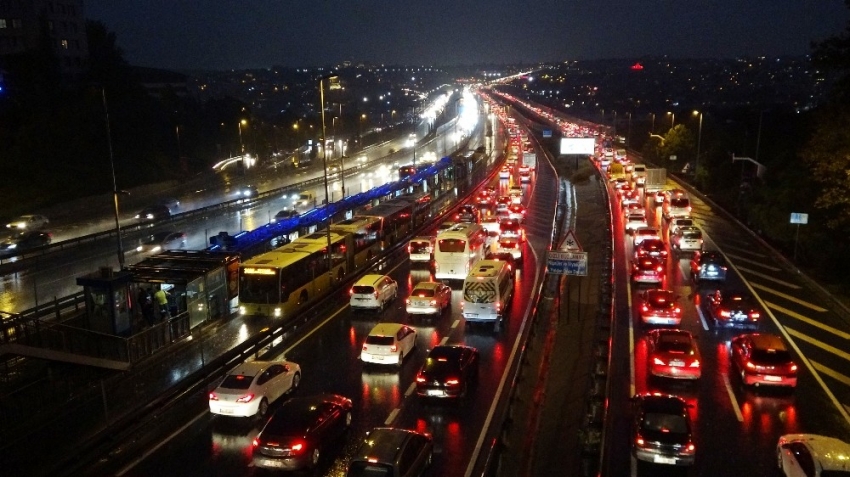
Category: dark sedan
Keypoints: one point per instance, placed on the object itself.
(160, 241)
(24, 241)
(733, 308)
(448, 372)
(708, 265)
(295, 435)
(662, 430)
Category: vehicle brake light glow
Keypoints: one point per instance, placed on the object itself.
(365, 348)
(298, 447)
(420, 379)
(213, 397)
(793, 367)
(407, 301)
(394, 348)
(751, 365)
(639, 441)
(755, 315)
(351, 291)
(372, 460)
(658, 361)
(452, 381)
(255, 442)
(691, 447)
(725, 313)
(433, 302)
(695, 364)
(246, 398)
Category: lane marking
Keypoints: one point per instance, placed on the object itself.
(732, 398)
(443, 341)
(454, 325)
(796, 300)
(768, 277)
(754, 262)
(480, 443)
(832, 373)
(147, 453)
(702, 318)
(748, 251)
(392, 417)
(632, 388)
(805, 319)
(818, 343)
(410, 389)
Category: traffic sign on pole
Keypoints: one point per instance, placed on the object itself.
(570, 243)
(567, 263)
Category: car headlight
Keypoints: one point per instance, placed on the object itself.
(14, 245)
(149, 216)
(139, 248)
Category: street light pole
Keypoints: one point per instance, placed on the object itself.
(325, 167)
(672, 119)
(241, 144)
(699, 142)
(652, 129)
(629, 131)
(114, 182)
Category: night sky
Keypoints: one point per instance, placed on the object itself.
(225, 34)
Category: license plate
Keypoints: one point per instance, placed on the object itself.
(660, 459)
(272, 462)
(225, 410)
(773, 378)
(435, 392)
(379, 358)
(677, 363)
(472, 314)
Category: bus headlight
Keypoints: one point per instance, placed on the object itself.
(242, 310)
(277, 312)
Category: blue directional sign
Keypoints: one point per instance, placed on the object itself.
(547, 133)
(567, 263)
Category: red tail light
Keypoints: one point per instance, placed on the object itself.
(246, 398)
(407, 301)
(498, 307)
(658, 361)
(394, 348)
(375, 294)
(351, 291)
(677, 310)
(644, 308)
(452, 381)
(365, 348)
(793, 367)
(639, 441)
(433, 302)
(691, 447)
(695, 364)
(420, 379)
(660, 269)
(213, 397)
(755, 316)
(751, 365)
(725, 314)
(255, 442)
(297, 447)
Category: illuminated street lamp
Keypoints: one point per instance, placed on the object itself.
(672, 119)
(333, 83)
(699, 140)
(241, 145)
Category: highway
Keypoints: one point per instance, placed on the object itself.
(53, 276)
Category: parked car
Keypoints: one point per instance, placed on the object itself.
(662, 432)
(804, 455)
(763, 359)
(448, 372)
(388, 343)
(429, 298)
(28, 222)
(251, 387)
(673, 354)
(373, 292)
(392, 452)
(733, 308)
(19, 242)
(295, 436)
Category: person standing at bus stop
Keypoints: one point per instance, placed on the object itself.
(161, 298)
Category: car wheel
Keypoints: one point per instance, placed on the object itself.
(348, 419)
(400, 358)
(314, 457)
(263, 408)
(296, 381)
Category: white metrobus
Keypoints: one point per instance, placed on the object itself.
(487, 291)
(457, 249)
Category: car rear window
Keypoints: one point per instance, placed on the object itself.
(368, 469)
(423, 292)
(420, 247)
(665, 423)
(452, 245)
(237, 381)
(674, 345)
(679, 202)
(692, 234)
(771, 356)
(363, 289)
(380, 340)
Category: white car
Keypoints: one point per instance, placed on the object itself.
(510, 245)
(635, 221)
(675, 223)
(373, 292)
(643, 233)
(686, 239)
(429, 298)
(516, 194)
(249, 389)
(388, 343)
(28, 222)
(811, 455)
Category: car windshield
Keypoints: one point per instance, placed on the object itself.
(380, 340)
(666, 423)
(304, 197)
(423, 292)
(236, 381)
(771, 356)
(452, 245)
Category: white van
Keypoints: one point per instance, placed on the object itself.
(487, 291)
(421, 249)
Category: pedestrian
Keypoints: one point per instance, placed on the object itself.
(161, 297)
(146, 304)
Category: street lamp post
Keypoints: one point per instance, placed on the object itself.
(325, 167)
(629, 131)
(241, 144)
(699, 141)
(114, 182)
(652, 129)
(672, 119)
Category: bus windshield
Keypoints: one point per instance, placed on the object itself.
(258, 288)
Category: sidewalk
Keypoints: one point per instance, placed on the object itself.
(562, 377)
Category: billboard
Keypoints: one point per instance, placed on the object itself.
(578, 145)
